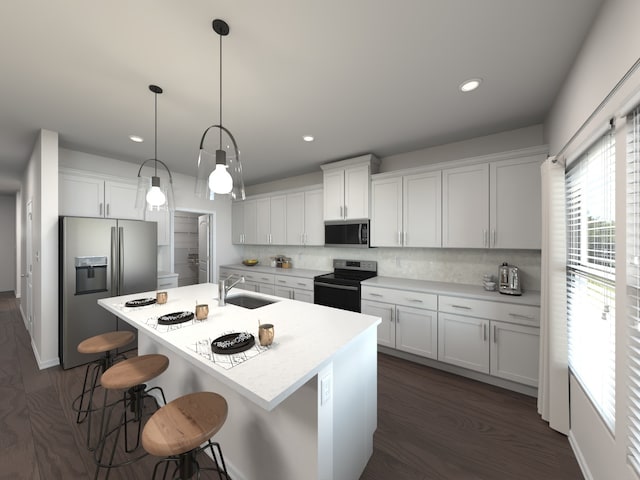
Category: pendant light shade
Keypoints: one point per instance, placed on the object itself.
(151, 191)
(219, 169)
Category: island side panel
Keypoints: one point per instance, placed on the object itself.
(355, 405)
(257, 444)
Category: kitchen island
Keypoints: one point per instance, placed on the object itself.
(305, 407)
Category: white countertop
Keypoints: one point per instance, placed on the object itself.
(453, 289)
(294, 272)
(307, 336)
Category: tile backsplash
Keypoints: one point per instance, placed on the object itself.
(465, 266)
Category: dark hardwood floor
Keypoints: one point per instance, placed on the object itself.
(431, 424)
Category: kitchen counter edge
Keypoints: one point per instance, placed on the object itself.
(453, 289)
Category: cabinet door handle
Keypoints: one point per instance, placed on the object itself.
(464, 307)
(405, 239)
(399, 238)
(495, 334)
(341, 215)
(484, 332)
(345, 211)
(495, 237)
(101, 209)
(485, 239)
(306, 238)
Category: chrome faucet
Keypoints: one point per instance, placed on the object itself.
(223, 288)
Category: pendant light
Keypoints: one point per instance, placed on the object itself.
(219, 172)
(150, 191)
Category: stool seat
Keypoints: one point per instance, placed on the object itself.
(106, 342)
(134, 371)
(184, 424)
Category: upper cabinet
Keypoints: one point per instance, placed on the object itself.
(305, 223)
(281, 219)
(89, 196)
(515, 209)
(465, 206)
(493, 205)
(346, 187)
(406, 211)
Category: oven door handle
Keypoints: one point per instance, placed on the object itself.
(339, 287)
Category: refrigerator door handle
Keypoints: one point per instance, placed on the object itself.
(114, 261)
(121, 259)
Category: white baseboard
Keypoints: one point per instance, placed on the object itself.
(42, 364)
(579, 457)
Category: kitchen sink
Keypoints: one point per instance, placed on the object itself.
(247, 301)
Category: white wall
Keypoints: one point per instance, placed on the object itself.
(40, 185)
(610, 50)
(7, 243)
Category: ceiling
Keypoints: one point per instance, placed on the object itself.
(361, 76)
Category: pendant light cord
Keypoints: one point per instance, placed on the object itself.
(155, 133)
(220, 105)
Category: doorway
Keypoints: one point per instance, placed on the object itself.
(193, 252)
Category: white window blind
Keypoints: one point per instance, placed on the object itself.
(590, 204)
(633, 282)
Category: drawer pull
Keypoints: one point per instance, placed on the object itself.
(519, 315)
(464, 307)
(282, 281)
(265, 279)
(415, 300)
(376, 294)
(302, 284)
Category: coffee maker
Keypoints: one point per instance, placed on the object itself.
(509, 280)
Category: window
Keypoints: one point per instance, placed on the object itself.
(633, 282)
(591, 257)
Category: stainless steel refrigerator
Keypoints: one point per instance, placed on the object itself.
(100, 258)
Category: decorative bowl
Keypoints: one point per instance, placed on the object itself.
(250, 262)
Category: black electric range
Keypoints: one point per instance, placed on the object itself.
(341, 289)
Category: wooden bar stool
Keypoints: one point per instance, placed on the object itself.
(106, 344)
(129, 376)
(177, 431)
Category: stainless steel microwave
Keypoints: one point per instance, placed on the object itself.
(346, 233)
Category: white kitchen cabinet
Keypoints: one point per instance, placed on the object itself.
(305, 223)
(278, 217)
(167, 280)
(463, 341)
(294, 288)
(263, 221)
(515, 203)
(250, 222)
(237, 222)
(387, 327)
(163, 219)
(346, 187)
(493, 205)
(514, 352)
(406, 211)
(404, 326)
(89, 196)
(465, 206)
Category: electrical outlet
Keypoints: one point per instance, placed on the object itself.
(325, 389)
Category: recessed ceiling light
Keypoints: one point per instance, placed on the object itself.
(308, 138)
(470, 85)
(136, 138)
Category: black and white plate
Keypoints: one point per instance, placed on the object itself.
(140, 302)
(233, 343)
(175, 318)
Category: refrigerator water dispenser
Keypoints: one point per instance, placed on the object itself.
(91, 274)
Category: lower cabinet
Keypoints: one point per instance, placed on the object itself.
(407, 328)
(501, 349)
(514, 352)
(294, 288)
(463, 341)
(464, 332)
